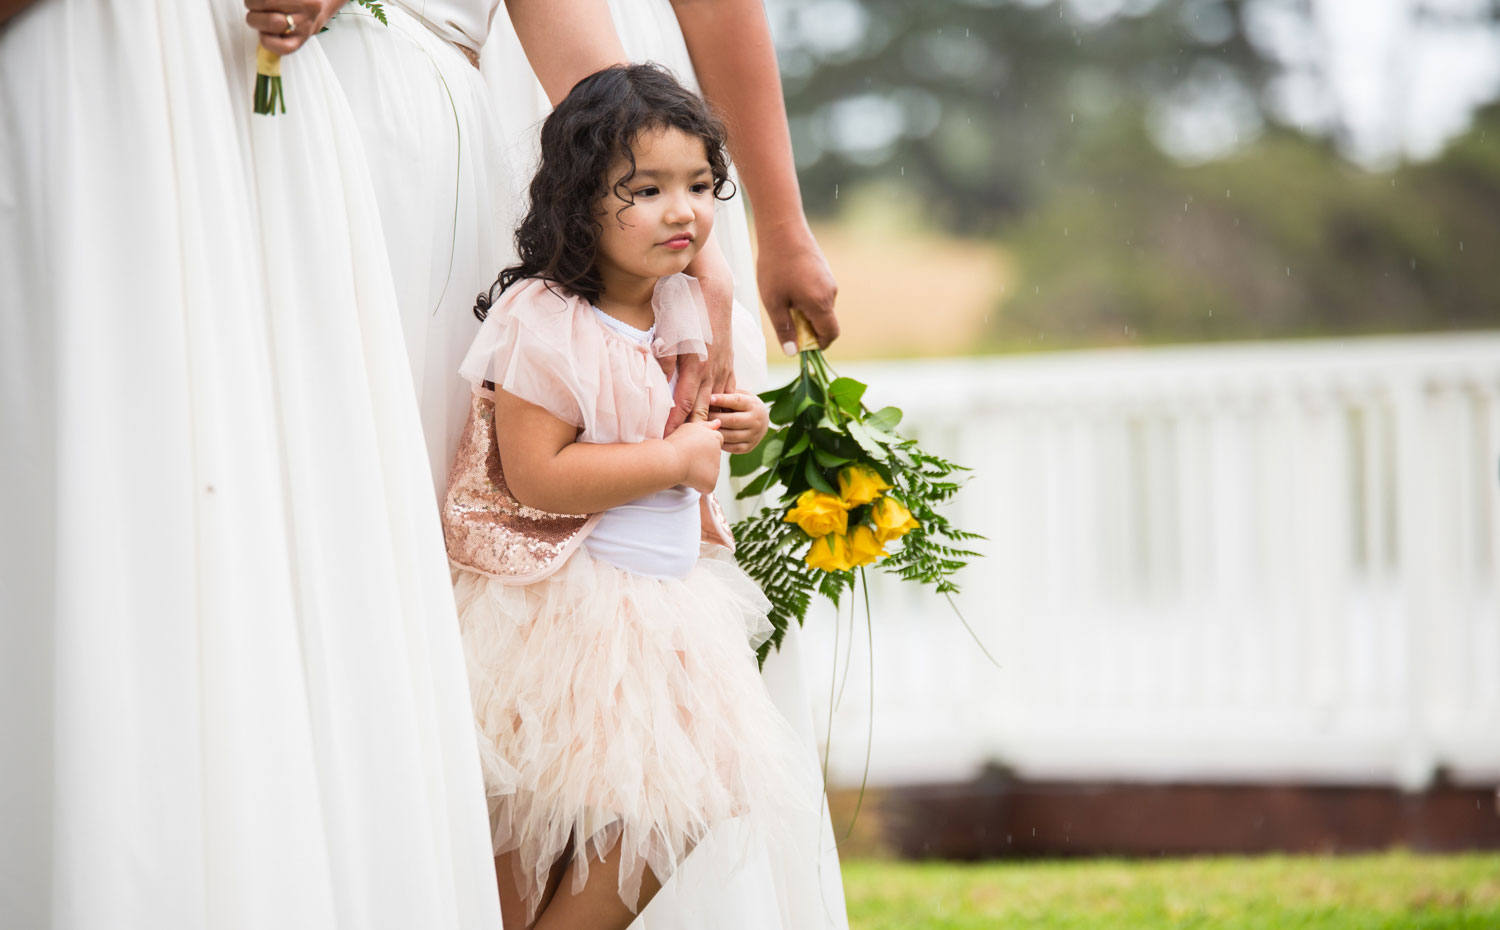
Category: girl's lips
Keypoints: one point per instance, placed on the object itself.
(679, 242)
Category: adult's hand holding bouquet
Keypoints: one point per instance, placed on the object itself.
(284, 26)
(853, 492)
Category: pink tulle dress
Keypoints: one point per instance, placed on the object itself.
(615, 689)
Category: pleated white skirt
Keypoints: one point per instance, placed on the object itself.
(232, 681)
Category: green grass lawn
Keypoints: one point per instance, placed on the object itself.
(1394, 891)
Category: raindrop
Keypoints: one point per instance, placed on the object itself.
(903, 171)
(1288, 271)
(1071, 117)
(966, 33)
(1414, 264)
(1065, 232)
(835, 192)
(1226, 193)
(1460, 245)
(1038, 288)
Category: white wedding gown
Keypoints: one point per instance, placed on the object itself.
(232, 685)
(437, 157)
(747, 876)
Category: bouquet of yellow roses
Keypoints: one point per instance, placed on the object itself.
(853, 492)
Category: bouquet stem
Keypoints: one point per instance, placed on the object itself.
(269, 99)
(806, 338)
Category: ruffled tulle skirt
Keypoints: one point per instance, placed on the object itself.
(618, 710)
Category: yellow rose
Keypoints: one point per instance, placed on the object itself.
(864, 548)
(819, 513)
(830, 553)
(860, 484)
(892, 521)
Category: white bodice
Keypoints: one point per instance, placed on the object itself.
(466, 22)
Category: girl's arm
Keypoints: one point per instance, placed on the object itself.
(730, 44)
(548, 469)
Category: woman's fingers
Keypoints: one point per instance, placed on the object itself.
(285, 25)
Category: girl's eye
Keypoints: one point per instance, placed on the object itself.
(700, 188)
(646, 192)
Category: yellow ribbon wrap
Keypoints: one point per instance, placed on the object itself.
(267, 63)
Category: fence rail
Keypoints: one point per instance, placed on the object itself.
(1259, 561)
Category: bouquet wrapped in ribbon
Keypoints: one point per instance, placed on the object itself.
(852, 492)
(269, 98)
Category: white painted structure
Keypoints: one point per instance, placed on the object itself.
(1251, 562)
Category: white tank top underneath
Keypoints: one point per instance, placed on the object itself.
(658, 535)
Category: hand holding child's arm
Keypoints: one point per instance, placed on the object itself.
(744, 421)
(548, 469)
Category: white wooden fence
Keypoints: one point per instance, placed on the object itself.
(1249, 562)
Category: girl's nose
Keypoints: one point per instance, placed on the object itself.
(679, 209)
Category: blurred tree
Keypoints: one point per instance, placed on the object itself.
(982, 105)
(1279, 240)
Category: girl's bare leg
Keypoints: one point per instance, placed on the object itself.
(597, 905)
(512, 907)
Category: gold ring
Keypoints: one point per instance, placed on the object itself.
(291, 26)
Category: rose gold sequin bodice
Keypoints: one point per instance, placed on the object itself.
(486, 529)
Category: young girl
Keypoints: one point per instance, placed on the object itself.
(609, 637)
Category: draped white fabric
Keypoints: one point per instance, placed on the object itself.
(793, 882)
(232, 685)
(437, 157)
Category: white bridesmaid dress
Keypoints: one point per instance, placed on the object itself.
(442, 181)
(734, 881)
(232, 685)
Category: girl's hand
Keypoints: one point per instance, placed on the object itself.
(743, 422)
(698, 445)
(271, 18)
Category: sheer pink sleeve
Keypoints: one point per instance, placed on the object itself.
(529, 345)
(681, 317)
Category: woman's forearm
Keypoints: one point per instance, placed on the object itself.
(565, 40)
(9, 8)
(735, 58)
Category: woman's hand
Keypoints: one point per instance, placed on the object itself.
(284, 25)
(698, 444)
(792, 272)
(696, 380)
(743, 420)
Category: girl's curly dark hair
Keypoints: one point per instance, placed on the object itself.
(597, 122)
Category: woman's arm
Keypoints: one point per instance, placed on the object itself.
(730, 44)
(565, 42)
(696, 379)
(548, 469)
(9, 8)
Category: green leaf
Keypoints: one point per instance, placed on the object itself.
(757, 486)
(885, 419)
(815, 478)
(830, 460)
(804, 439)
(846, 392)
(785, 407)
(747, 462)
(866, 441)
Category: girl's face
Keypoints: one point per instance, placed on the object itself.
(673, 212)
